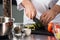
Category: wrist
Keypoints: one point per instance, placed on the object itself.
(26, 3)
(56, 9)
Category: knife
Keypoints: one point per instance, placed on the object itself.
(36, 20)
(38, 24)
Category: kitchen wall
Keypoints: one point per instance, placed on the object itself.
(1, 9)
(18, 15)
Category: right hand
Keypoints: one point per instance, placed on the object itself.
(29, 9)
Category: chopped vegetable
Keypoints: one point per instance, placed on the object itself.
(50, 27)
(30, 26)
(34, 26)
(58, 36)
(57, 26)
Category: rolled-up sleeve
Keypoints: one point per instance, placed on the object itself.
(19, 6)
(58, 3)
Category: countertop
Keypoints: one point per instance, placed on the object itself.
(38, 37)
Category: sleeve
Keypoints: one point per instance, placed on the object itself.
(58, 3)
(19, 6)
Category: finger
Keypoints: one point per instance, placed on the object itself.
(49, 19)
(26, 12)
(30, 15)
(33, 15)
(42, 16)
(27, 15)
(44, 19)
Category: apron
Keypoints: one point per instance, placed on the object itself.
(40, 6)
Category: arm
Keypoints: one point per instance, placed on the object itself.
(26, 3)
(56, 8)
(29, 8)
(50, 14)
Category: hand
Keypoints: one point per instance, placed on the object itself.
(47, 17)
(30, 11)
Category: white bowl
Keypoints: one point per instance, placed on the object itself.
(27, 31)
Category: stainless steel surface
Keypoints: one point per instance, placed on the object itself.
(37, 37)
(6, 26)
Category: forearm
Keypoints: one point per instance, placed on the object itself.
(26, 3)
(56, 9)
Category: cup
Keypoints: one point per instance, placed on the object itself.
(17, 30)
(27, 31)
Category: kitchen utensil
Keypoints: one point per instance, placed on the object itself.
(37, 24)
(6, 26)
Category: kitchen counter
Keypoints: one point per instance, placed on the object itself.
(42, 35)
(32, 37)
(38, 37)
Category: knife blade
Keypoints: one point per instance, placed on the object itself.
(36, 20)
(38, 23)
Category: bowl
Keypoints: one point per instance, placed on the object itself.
(27, 31)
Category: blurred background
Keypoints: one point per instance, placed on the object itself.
(18, 15)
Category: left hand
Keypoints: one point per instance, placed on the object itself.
(47, 16)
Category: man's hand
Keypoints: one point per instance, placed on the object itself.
(46, 17)
(29, 9)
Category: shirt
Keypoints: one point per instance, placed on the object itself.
(40, 6)
(58, 3)
(20, 1)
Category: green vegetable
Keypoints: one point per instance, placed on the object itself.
(37, 25)
(30, 26)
